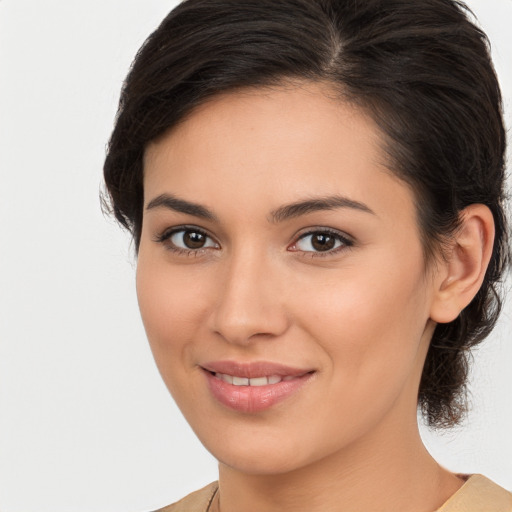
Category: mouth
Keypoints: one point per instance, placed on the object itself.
(253, 387)
(256, 381)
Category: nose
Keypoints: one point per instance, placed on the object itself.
(249, 304)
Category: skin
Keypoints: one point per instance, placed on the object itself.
(361, 316)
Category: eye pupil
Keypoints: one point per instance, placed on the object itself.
(323, 241)
(193, 239)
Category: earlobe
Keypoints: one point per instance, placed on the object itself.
(462, 271)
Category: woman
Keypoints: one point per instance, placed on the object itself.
(315, 191)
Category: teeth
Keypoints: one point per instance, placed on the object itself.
(257, 381)
(260, 381)
(226, 378)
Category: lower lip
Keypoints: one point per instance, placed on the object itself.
(253, 398)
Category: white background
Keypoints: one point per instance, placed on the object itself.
(85, 422)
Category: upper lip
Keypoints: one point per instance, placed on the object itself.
(254, 369)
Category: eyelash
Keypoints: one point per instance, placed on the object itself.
(166, 235)
(346, 242)
(165, 239)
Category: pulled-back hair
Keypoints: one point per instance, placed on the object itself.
(420, 68)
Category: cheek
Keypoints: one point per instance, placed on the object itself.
(371, 339)
(171, 310)
(370, 322)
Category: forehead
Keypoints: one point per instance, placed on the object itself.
(280, 116)
(269, 146)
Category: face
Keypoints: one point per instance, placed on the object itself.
(281, 279)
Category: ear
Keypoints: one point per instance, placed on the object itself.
(461, 273)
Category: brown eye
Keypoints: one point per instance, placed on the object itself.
(194, 240)
(191, 239)
(321, 241)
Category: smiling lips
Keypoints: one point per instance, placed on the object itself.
(257, 381)
(253, 387)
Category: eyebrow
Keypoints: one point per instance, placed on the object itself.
(317, 204)
(180, 205)
(281, 214)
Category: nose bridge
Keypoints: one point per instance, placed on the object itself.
(248, 303)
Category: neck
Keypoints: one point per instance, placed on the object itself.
(390, 470)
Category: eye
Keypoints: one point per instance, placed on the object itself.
(187, 240)
(321, 241)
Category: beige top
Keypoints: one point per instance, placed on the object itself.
(478, 494)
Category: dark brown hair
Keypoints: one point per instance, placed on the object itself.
(421, 69)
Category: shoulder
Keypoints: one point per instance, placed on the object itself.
(479, 494)
(198, 501)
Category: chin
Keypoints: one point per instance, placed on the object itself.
(258, 465)
(260, 455)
